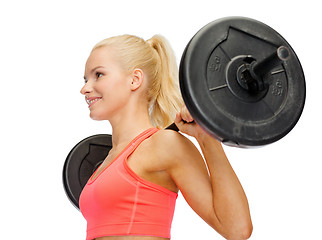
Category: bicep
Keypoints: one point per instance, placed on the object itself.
(189, 172)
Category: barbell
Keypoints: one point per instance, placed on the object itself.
(241, 82)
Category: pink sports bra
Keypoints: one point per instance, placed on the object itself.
(118, 202)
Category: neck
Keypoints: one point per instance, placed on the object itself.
(126, 126)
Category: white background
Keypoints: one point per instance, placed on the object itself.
(44, 46)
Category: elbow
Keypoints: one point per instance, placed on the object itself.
(246, 233)
(237, 231)
(242, 233)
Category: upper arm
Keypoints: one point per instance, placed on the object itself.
(188, 170)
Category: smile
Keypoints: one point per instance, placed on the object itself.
(90, 101)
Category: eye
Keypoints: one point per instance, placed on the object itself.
(98, 74)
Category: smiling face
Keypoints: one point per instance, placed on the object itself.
(106, 84)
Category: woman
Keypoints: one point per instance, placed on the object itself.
(133, 84)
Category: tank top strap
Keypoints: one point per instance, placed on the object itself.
(140, 138)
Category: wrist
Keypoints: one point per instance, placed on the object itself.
(205, 138)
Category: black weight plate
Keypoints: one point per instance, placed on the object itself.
(81, 163)
(216, 101)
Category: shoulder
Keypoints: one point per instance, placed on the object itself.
(169, 138)
(173, 147)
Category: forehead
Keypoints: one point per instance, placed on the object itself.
(100, 56)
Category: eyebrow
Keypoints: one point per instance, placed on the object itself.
(93, 70)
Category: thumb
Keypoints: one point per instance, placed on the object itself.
(178, 118)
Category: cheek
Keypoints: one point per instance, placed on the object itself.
(115, 90)
(111, 87)
(101, 87)
(114, 95)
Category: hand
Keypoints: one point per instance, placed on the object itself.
(187, 125)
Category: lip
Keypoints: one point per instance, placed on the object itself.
(91, 100)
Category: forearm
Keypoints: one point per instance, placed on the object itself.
(229, 200)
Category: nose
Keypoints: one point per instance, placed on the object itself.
(87, 88)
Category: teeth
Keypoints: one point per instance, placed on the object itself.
(89, 102)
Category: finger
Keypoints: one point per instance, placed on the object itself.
(185, 114)
(179, 122)
(178, 118)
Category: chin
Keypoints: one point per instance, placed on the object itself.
(100, 113)
(96, 117)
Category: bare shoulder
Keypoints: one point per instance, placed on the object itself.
(171, 140)
(173, 147)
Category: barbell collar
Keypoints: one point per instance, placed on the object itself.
(269, 63)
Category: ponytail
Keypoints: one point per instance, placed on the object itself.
(164, 90)
(156, 58)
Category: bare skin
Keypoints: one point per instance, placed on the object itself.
(220, 200)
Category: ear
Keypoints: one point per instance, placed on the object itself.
(136, 79)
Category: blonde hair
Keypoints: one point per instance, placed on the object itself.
(156, 58)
